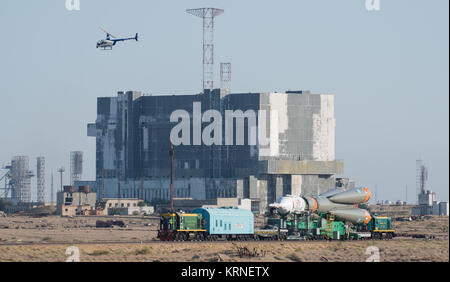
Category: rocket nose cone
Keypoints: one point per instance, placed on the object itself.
(279, 207)
(284, 207)
(368, 217)
(367, 195)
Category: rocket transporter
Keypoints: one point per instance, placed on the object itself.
(339, 202)
(327, 215)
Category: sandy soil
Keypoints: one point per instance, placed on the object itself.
(47, 238)
(53, 229)
(355, 251)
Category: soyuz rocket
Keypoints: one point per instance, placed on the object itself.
(339, 202)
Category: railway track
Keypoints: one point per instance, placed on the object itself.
(124, 243)
(172, 242)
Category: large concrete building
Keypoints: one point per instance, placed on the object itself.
(132, 145)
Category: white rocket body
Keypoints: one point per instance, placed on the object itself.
(340, 202)
(289, 204)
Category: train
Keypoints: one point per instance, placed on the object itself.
(233, 224)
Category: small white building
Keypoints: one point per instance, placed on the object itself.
(145, 210)
(121, 203)
(126, 206)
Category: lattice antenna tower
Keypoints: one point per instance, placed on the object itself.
(76, 166)
(421, 177)
(61, 171)
(208, 15)
(21, 177)
(40, 174)
(225, 77)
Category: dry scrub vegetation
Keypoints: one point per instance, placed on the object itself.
(351, 251)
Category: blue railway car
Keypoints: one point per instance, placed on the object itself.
(228, 223)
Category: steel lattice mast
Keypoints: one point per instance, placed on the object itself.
(21, 176)
(76, 166)
(421, 177)
(225, 77)
(40, 172)
(208, 15)
(61, 170)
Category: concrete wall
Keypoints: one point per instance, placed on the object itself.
(306, 125)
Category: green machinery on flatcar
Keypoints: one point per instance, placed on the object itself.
(325, 226)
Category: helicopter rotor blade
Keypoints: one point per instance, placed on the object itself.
(107, 33)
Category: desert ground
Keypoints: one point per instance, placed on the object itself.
(25, 238)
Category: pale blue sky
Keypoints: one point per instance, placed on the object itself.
(388, 70)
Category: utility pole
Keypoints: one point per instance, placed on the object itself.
(52, 193)
(171, 175)
(142, 171)
(376, 194)
(406, 192)
(118, 187)
(102, 193)
(142, 187)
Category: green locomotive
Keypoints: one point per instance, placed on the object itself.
(175, 226)
(379, 227)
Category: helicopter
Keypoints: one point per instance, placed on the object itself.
(109, 43)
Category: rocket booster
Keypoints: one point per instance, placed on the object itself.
(352, 196)
(338, 201)
(353, 215)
